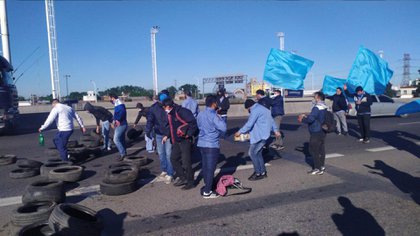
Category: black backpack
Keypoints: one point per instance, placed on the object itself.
(330, 124)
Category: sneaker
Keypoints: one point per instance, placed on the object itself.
(255, 177)
(280, 147)
(162, 175)
(180, 182)
(345, 133)
(120, 158)
(188, 187)
(314, 172)
(361, 140)
(168, 179)
(264, 174)
(321, 172)
(366, 141)
(322, 168)
(109, 149)
(209, 195)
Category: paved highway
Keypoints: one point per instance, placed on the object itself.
(367, 188)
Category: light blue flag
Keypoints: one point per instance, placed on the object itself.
(286, 70)
(369, 71)
(331, 84)
(412, 107)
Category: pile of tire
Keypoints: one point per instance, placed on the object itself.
(67, 219)
(134, 133)
(137, 161)
(26, 168)
(7, 159)
(90, 139)
(120, 179)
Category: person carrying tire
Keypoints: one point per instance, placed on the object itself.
(101, 114)
(182, 126)
(63, 115)
(119, 125)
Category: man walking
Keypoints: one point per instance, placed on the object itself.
(340, 108)
(120, 125)
(211, 127)
(63, 115)
(182, 126)
(363, 102)
(262, 99)
(101, 114)
(277, 112)
(157, 122)
(191, 104)
(259, 125)
(317, 135)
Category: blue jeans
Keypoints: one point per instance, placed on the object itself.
(255, 152)
(164, 151)
(209, 157)
(105, 134)
(60, 141)
(119, 139)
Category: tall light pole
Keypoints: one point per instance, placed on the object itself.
(67, 84)
(4, 31)
(94, 90)
(281, 37)
(52, 46)
(153, 31)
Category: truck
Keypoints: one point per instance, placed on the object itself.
(9, 101)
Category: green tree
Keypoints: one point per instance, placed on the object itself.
(20, 98)
(77, 95)
(190, 87)
(172, 91)
(45, 98)
(389, 92)
(133, 91)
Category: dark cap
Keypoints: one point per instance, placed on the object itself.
(249, 103)
(139, 105)
(359, 88)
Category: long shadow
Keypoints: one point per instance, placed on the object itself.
(406, 183)
(29, 123)
(355, 221)
(295, 233)
(113, 222)
(305, 150)
(290, 127)
(398, 140)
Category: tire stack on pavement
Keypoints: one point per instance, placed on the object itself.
(67, 219)
(7, 159)
(26, 168)
(120, 179)
(137, 161)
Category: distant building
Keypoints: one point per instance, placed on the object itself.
(408, 91)
(90, 97)
(415, 82)
(254, 85)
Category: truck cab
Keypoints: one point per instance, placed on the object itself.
(9, 101)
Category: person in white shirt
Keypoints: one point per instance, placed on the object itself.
(63, 115)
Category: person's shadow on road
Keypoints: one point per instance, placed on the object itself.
(406, 183)
(113, 222)
(355, 221)
(398, 139)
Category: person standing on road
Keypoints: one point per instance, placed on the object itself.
(182, 126)
(157, 122)
(340, 108)
(317, 135)
(363, 102)
(223, 104)
(190, 103)
(259, 125)
(120, 125)
(262, 99)
(211, 127)
(63, 115)
(142, 113)
(277, 112)
(101, 114)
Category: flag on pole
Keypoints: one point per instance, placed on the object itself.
(369, 71)
(331, 84)
(286, 70)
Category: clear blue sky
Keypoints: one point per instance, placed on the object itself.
(109, 41)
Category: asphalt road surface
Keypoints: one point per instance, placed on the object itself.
(368, 189)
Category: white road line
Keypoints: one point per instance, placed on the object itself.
(10, 201)
(380, 149)
(418, 143)
(409, 123)
(134, 148)
(332, 155)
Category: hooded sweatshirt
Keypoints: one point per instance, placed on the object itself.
(100, 113)
(316, 117)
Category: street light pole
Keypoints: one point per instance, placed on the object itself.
(153, 31)
(67, 84)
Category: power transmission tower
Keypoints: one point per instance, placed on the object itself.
(406, 73)
(52, 46)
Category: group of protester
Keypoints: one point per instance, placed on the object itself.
(176, 129)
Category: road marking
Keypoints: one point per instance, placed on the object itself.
(332, 155)
(409, 123)
(134, 148)
(94, 189)
(380, 149)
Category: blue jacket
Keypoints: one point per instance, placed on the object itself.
(211, 126)
(191, 105)
(266, 102)
(120, 114)
(157, 120)
(277, 106)
(316, 118)
(259, 124)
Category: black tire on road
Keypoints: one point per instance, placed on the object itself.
(21, 173)
(7, 159)
(75, 220)
(121, 175)
(40, 228)
(136, 160)
(54, 160)
(90, 143)
(29, 163)
(52, 152)
(47, 167)
(66, 173)
(32, 212)
(44, 190)
(123, 164)
(118, 189)
(72, 144)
